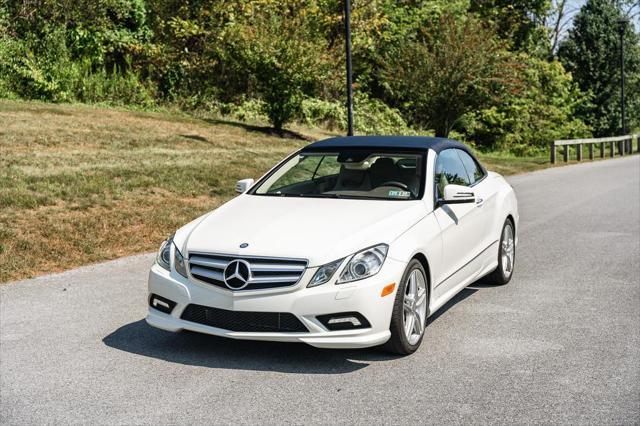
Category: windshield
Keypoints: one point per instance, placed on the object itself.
(347, 174)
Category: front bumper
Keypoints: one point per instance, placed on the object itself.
(306, 304)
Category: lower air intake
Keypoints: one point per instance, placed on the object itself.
(244, 321)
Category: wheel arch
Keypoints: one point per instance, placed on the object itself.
(513, 222)
(420, 257)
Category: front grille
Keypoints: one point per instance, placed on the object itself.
(266, 272)
(243, 321)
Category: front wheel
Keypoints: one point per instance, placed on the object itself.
(409, 315)
(506, 256)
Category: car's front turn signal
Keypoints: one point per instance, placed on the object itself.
(387, 289)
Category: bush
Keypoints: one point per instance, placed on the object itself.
(371, 116)
(43, 71)
(113, 88)
(251, 111)
(37, 68)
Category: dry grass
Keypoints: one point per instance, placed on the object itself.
(80, 184)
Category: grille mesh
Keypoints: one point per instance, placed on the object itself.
(243, 321)
(266, 272)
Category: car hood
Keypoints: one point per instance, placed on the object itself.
(317, 229)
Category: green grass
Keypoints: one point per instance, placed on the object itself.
(81, 184)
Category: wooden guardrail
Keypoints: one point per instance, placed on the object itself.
(623, 144)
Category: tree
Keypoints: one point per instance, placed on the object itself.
(543, 111)
(286, 58)
(454, 68)
(591, 54)
(517, 21)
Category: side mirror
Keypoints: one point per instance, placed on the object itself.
(243, 185)
(458, 194)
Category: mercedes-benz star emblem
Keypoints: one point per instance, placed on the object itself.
(237, 274)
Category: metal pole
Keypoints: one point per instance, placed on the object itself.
(622, 23)
(347, 31)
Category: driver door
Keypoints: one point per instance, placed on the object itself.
(458, 223)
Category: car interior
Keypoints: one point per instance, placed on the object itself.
(377, 175)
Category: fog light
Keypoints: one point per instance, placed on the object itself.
(352, 320)
(343, 321)
(162, 304)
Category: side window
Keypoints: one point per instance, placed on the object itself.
(471, 166)
(449, 170)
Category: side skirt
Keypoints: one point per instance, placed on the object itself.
(485, 263)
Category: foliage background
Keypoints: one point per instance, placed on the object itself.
(486, 71)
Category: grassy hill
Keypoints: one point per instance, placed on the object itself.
(80, 184)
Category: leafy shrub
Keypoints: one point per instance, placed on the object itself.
(371, 116)
(251, 110)
(115, 88)
(37, 68)
(321, 113)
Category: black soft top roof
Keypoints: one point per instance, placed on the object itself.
(422, 143)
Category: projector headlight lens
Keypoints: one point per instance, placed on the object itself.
(364, 264)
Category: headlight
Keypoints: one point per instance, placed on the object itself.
(164, 257)
(178, 262)
(364, 264)
(324, 273)
(164, 254)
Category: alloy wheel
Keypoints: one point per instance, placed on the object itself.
(415, 306)
(508, 250)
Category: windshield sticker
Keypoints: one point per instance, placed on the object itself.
(394, 193)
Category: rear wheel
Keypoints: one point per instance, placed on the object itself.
(506, 256)
(409, 315)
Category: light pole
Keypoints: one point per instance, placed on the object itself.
(347, 32)
(622, 23)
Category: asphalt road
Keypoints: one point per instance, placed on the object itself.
(559, 344)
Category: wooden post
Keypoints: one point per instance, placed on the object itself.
(579, 152)
(601, 149)
(553, 152)
(613, 151)
(590, 151)
(621, 148)
(565, 153)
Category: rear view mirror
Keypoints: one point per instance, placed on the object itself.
(243, 185)
(458, 194)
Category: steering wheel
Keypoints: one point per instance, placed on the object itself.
(396, 184)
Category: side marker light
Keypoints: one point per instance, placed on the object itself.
(388, 289)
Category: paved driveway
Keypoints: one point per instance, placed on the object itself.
(560, 343)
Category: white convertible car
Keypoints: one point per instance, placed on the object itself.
(348, 243)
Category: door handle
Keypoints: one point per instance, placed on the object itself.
(479, 202)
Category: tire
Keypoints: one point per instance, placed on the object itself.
(503, 273)
(400, 343)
